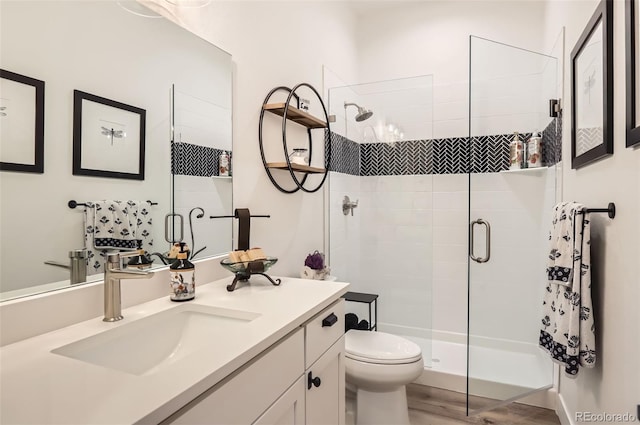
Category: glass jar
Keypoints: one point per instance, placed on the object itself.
(299, 156)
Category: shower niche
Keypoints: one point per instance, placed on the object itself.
(299, 158)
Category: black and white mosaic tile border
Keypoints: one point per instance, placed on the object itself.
(194, 160)
(487, 154)
(345, 154)
(552, 141)
(401, 158)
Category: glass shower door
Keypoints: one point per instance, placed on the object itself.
(510, 211)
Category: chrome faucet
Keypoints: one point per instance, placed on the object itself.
(77, 265)
(113, 272)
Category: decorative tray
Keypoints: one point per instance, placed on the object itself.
(248, 267)
(244, 269)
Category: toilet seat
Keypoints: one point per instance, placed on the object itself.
(380, 348)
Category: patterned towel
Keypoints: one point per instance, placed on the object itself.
(115, 225)
(568, 329)
(563, 243)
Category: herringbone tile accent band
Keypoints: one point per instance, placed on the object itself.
(482, 154)
(194, 160)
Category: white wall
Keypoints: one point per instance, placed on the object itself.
(432, 37)
(273, 44)
(614, 385)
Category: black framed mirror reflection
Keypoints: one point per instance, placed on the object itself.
(592, 89)
(22, 123)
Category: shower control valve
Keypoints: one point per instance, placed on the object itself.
(348, 205)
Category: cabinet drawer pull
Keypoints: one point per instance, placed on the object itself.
(311, 381)
(330, 320)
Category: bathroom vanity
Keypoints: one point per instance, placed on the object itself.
(261, 354)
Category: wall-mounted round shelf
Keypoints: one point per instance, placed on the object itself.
(292, 113)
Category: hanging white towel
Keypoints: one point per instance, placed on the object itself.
(116, 225)
(562, 244)
(568, 329)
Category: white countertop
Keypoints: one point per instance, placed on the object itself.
(39, 387)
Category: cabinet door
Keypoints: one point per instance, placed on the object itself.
(325, 399)
(323, 331)
(247, 393)
(288, 409)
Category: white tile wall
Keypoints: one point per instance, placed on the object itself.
(416, 258)
(214, 196)
(394, 244)
(507, 290)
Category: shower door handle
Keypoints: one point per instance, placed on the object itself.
(487, 241)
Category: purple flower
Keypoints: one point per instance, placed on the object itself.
(315, 261)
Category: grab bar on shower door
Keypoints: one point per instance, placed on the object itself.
(487, 241)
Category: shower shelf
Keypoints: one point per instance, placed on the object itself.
(297, 172)
(524, 170)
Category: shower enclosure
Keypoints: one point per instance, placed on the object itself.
(452, 241)
(384, 245)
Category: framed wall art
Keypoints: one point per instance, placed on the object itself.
(592, 89)
(108, 138)
(21, 123)
(632, 12)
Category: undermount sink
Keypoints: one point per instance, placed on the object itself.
(145, 346)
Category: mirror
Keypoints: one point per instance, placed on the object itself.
(179, 80)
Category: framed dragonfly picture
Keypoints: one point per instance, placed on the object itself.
(108, 137)
(592, 89)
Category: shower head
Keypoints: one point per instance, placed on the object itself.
(363, 114)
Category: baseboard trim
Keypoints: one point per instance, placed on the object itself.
(563, 412)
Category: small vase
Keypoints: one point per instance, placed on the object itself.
(309, 273)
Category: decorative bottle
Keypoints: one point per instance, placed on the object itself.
(516, 152)
(223, 169)
(183, 279)
(534, 151)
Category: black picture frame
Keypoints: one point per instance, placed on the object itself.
(37, 165)
(98, 123)
(633, 129)
(589, 144)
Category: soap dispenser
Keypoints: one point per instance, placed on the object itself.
(183, 280)
(140, 261)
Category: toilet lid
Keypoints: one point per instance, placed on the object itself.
(380, 347)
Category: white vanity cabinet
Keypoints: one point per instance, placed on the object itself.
(289, 409)
(298, 380)
(324, 361)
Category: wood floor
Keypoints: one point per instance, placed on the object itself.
(434, 406)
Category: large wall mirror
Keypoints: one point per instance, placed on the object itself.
(182, 84)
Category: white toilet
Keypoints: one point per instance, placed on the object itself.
(378, 367)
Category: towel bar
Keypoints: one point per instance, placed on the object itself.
(610, 210)
(244, 225)
(72, 204)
